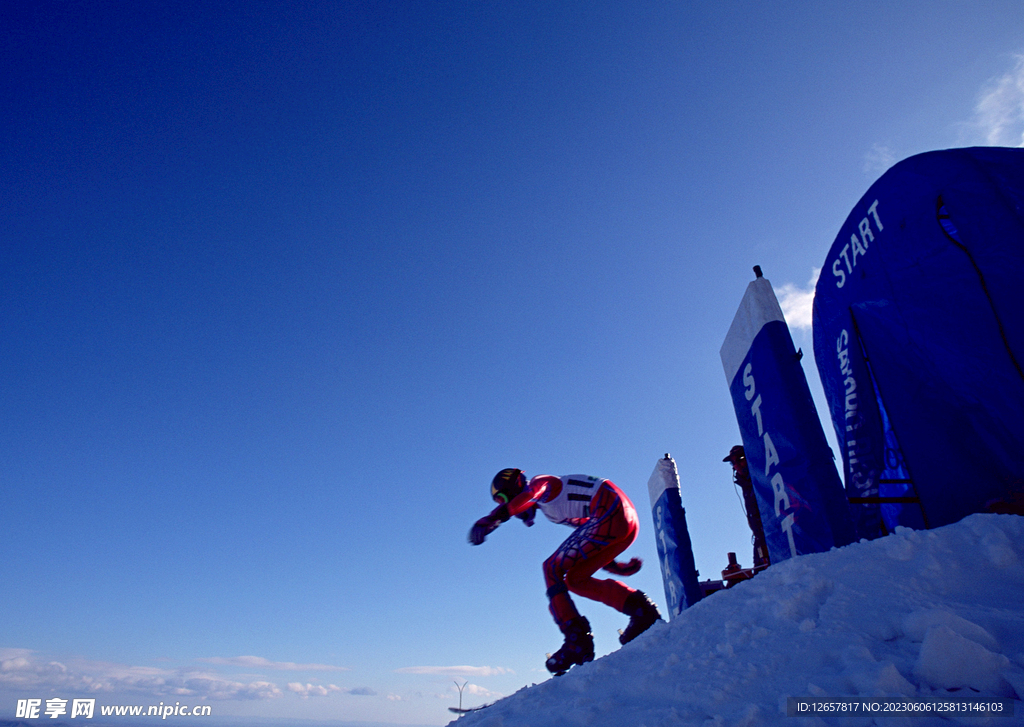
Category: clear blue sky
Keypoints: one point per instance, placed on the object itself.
(282, 286)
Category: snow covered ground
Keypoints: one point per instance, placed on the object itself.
(917, 614)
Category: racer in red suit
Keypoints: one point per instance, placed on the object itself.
(605, 525)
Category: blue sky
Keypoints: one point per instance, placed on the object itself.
(282, 287)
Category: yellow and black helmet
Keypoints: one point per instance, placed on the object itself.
(507, 484)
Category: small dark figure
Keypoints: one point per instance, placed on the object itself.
(741, 476)
(605, 523)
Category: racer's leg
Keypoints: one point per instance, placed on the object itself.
(611, 529)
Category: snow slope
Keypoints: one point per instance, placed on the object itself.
(915, 614)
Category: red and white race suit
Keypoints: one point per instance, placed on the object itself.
(606, 524)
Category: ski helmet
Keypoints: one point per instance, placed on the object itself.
(507, 484)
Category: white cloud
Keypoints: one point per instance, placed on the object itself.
(258, 662)
(17, 663)
(798, 303)
(312, 690)
(999, 113)
(22, 670)
(9, 654)
(206, 686)
(318, 690)
(475, 671)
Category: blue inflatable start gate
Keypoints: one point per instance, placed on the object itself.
(919, 340)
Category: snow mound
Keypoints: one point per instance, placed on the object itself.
(919, 613)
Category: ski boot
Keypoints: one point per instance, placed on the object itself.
(577, 649)
(642, 614)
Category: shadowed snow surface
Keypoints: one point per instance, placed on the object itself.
(919, 614)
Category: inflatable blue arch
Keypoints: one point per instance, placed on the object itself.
(919, 340)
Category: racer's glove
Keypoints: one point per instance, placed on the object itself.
(481, 529)
(486, 525)
(624, 569)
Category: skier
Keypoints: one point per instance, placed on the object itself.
(741, 476)
(605, 525)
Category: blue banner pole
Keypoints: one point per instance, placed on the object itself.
(799, 494)
(675, 552)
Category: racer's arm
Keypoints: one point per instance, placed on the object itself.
(534, 491)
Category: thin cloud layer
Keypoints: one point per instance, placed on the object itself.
(999, 113)
(319, 690)
(474, 671)
(998, 120)
(878, 159)
(22, 670)
(258, 662)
